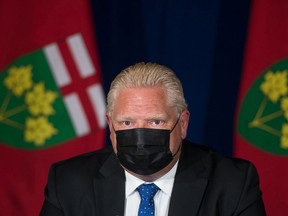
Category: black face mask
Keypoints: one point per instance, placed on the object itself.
(144, 150)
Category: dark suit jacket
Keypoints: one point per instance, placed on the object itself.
(205, 184)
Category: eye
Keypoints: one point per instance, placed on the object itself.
(126, 123)
(157, 122)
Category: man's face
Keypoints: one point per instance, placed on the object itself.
(147, 108)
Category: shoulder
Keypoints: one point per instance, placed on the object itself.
(72, 179)
(197, 153)
(217, 166)
(232, 184)
(84, 164)
(226, 175)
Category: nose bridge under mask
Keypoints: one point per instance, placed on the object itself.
(140, 137)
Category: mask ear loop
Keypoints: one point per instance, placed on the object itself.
(113, 127)
(175, 124)
(177, 151)
(172, 131)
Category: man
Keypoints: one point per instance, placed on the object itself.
(148, 119)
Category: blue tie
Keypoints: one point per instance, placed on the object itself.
(147, 193)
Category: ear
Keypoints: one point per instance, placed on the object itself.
(109, 122)
(184, 122)
(112, 132)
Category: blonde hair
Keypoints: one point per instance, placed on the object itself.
(148, 75)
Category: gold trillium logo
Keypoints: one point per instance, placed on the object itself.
(275, 89)
(263, 116)
(38, 101)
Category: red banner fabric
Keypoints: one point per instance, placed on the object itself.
(27, 26)
(261, 117)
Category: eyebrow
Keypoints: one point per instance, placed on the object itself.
(126, 117)
(161, 116)
(122, 118)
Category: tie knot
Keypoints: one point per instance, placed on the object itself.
(147, 191)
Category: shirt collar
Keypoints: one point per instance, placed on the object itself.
(165, 183)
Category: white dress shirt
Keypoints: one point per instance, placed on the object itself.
(161, 198)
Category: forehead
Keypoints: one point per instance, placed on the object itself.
(141, 101)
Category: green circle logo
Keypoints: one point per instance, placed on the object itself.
(263, 118)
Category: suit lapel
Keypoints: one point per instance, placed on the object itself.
(190, 183)
(109, 187)
(186, 197)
